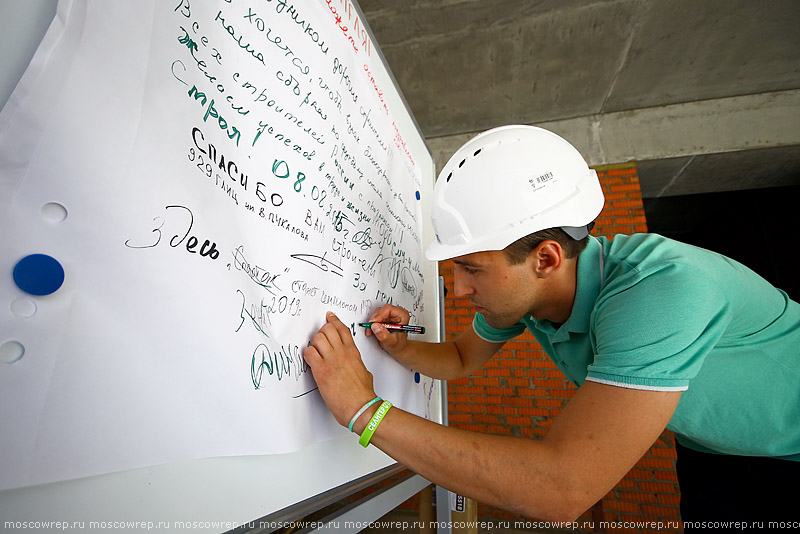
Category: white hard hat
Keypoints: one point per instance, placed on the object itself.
(509, 182)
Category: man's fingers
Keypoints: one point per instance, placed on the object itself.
(384, 336)
(381, 314)
(312, 357)
(342, 331)
(387, 313)
(321, 343)
(390, 314)
(380, 332)
(340, 373)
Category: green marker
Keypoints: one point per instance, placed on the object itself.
(391, 327)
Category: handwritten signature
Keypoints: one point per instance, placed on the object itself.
(257, 274)
(320, 262)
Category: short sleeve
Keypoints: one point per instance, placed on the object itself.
(654, 329)
(495, 335)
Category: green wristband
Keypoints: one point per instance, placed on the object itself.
(373, 424)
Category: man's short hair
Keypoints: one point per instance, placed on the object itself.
(518, 251)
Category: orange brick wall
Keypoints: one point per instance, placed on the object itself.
(520, 391)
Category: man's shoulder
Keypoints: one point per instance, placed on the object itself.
(631, 259)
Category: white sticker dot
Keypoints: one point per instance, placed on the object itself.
(24, 308)
(11, 351)
(54, 212)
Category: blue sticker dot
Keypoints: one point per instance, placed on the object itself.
(417, 195)
(416, 378)
(38, 274)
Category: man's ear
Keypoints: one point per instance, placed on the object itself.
(546, 258)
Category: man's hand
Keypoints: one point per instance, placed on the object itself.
(343, 380)
(447, 360)
(393, 343)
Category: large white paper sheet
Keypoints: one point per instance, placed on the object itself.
(213, 177)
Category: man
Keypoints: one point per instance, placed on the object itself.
(656, 334)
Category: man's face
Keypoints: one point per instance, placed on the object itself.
(503, 293)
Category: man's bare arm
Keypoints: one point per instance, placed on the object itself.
(594, 442)
(446, 361)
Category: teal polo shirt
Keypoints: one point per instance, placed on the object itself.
(655, 314)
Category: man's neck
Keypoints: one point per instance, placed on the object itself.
(561, 294)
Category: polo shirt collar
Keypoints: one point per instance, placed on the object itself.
(589, 282)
